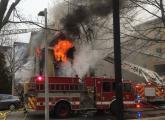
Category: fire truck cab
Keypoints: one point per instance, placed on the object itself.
(67, 94)
(104, 92)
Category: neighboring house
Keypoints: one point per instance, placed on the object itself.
(142, 52)
(152, 53)
(16, 56)
(36, 50)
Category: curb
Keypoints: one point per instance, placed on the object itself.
(151, 118)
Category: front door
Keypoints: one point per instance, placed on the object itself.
(103, 93)
(107, 93)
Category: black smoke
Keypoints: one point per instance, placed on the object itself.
(101, 7)
(82, 14)
(70, 53)
(72, 21)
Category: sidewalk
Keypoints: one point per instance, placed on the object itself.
(151, 118)
(16, 115)
(20, 115)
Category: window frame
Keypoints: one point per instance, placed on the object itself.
(109, 86)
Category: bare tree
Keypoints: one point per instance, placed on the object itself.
(153, 29)
(5, 13)
(16, 56)
(15, 53)
(157, 11)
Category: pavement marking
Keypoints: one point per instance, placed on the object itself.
(25, 116)
(3, 115)
(150, 118)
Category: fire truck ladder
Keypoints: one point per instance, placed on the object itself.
(138, 70)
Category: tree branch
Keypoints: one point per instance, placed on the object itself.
(34, 23)
(6, 18)
(145, 9)
(3, 8)
(162, 12)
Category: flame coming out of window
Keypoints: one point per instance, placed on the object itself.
(61, 49)
(38, 51)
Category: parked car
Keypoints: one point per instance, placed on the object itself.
(9, 102)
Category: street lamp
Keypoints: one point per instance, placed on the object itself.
(44, 13)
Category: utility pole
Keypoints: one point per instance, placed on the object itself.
(46, 71)
(13, 70)
(117, 56)
(44, 13)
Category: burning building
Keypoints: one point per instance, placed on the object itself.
(66, 57)
(60, 52)
(63, 52)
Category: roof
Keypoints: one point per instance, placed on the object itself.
(150, 23)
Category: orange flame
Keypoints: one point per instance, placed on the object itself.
(38, 51)
(61, 48)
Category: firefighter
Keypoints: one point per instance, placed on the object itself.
(23, 99)
(25, 102)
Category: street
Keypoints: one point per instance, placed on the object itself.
(149, 114)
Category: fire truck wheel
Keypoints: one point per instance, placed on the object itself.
(62, 110)
(113, 108)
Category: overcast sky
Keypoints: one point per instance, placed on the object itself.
(29, 10)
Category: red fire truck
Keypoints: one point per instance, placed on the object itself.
(67, 94)
(152, 89)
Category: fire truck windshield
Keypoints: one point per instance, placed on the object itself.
(106, 87)
(126, 87)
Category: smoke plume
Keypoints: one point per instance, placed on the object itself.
(71, 21)
(26, 71)
(36, 40)
(84, 59)
(82, 14)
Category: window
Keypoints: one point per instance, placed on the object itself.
(71, 87)
(61, 87)
(76, 87)
(127, 87)
(158, 50)
(159, 68)
(37, 87)
(106, 87)
(5, 97)
(113, 86)
(15, 97)
(10, 97)
(41, 87)
(66, 87)
(57, 87)
(52, 86)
